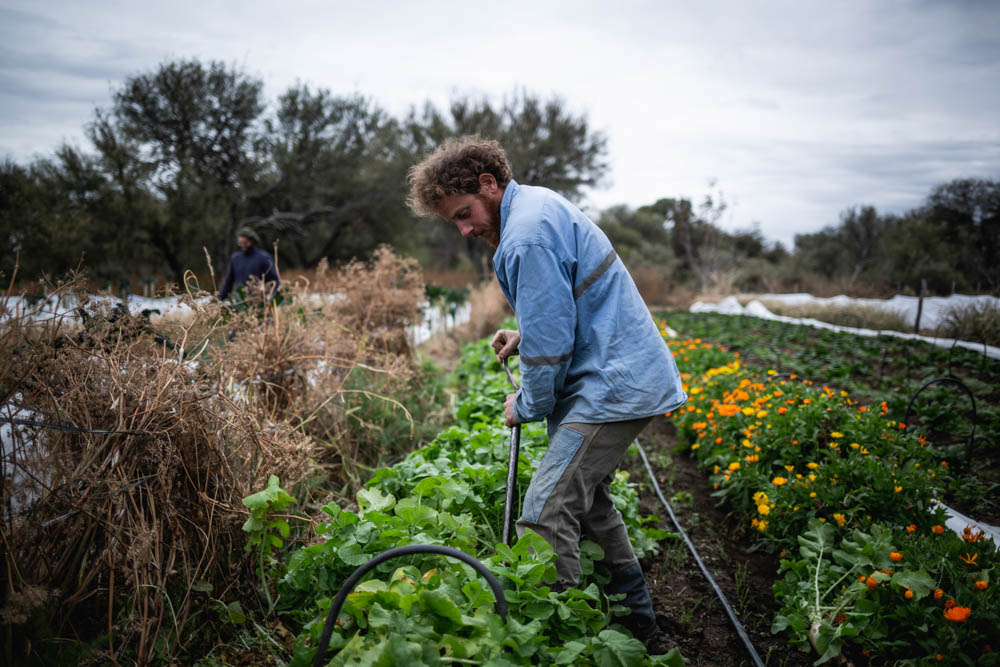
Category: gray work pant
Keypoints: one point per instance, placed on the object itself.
(569, 495)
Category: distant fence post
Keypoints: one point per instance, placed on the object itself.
(920, 304)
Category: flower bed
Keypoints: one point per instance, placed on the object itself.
(845, 495)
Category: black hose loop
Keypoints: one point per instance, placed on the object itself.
(704, 570)
(950, 379)
(338, 602)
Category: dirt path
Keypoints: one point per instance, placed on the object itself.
(689, 613)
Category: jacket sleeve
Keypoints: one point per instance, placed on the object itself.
(542, 290)
(227, 284)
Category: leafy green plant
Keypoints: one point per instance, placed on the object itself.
(267, 531)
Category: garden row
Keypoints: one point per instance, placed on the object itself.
(431, 609)
(884, 369)
(844, 493)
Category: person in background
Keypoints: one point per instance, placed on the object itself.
(593, 363)
(249, 262)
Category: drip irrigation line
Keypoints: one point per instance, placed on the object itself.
(72, 429)
(704, 570)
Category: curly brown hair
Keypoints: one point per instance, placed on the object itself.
(454, 168)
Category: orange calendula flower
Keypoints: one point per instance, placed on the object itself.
(779, 481)
(782, 410)
(908, 594)
(728, 410)
(912, 528)
(938, 593)
(895, 556)
(958, 614)
(982, 585)
(969, 559)
(871, 582)
(938, 529)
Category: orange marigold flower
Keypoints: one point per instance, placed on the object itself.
(940, 657)
(938, 593)
(938, 529)
(871, 582)
(779, 481)
(958, 614)
(908, 594)
(912, 528)
(895, 556)
(862, 578)
(782, 410)
(948, 604)
(982, 585)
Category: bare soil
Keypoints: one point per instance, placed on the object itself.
(688, 611)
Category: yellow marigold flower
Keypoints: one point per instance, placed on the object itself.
(761, 414)
(897, 489)
(748, 411)
(957, 614)
(764, 509)
(789, 468)
(779, 481)
(812, 494)
(895, 556)
(982, 585)
(855, 445)
(841, 519)
(695, 446)
(760, 497)
(762, 526)
(836, 434)
(812, 466)
(747, 443)
(812, 478)
(821, 519)
(734, 466)
(715, 470)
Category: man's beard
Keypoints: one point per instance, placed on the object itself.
(492, 237)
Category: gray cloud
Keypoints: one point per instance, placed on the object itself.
(799, 109)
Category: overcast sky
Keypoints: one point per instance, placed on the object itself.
(796, 109)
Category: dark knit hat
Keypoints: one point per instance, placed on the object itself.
(248, 233)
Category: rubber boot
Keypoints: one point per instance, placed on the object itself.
(630, 581)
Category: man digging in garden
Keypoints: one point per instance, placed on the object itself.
(592, 361)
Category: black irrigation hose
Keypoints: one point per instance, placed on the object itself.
(704, 570)
(63, 427)
(338, 602)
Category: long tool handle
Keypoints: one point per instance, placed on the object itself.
(510, 503)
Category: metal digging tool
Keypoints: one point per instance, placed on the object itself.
(510, 505)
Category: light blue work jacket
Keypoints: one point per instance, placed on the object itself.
(590, 351)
